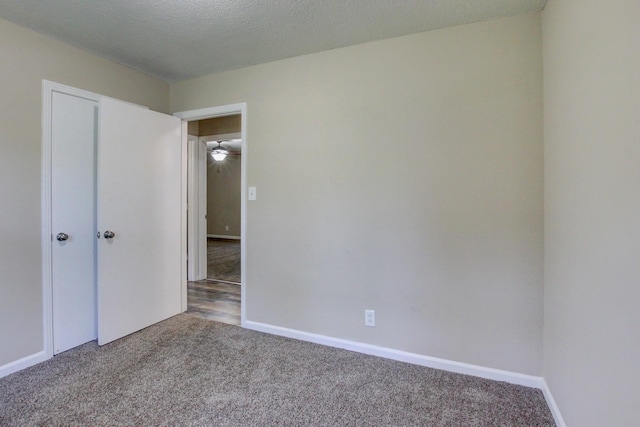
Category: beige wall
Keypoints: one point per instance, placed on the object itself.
(592, 210)
(223, 180)
(223, 195)
(404, 176)
(27, 58)
(193, 128)
(220, 125)
(215, 126)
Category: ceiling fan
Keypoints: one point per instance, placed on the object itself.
(219, 153)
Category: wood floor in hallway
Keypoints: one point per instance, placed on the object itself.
(212, 300)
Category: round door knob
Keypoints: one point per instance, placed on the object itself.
(62, 237)
(109, 234)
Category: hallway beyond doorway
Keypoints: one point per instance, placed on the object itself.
(212, 300)
(223, 260)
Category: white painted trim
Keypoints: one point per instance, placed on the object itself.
(45, 205)
(197, 209)
(210, 112)
(193, 209)
(23, 363)
(224, 281)
(401, 356)
(221, 111)
(222, 236)
(48, 88)
(183, 215)
(553, 406)
(202, 210)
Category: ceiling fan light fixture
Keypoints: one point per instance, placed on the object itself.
(219, 153)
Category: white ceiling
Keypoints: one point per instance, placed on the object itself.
(181, 39)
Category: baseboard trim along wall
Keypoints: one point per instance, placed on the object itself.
(222, 236)
(555, 411)
(23, 363)
(402, 356)
(418, 359)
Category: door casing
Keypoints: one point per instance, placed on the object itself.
(197, 209)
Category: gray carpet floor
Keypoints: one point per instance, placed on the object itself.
(192, 372)
(223, 260)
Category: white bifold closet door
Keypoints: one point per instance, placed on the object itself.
(139, 201)
(73, 220)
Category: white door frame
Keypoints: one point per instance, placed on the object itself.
(202, 210)
(220, 111)
(196, 205)
(47, 238)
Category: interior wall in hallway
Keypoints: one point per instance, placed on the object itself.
(219, 125)
(223, 196)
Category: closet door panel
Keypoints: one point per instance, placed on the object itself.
(73, 145)
(139, 205)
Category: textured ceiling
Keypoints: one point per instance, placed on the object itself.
(177, 40)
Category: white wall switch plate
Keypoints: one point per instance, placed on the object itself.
(252, 193)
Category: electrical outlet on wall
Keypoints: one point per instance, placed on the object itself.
(226, 228)
(370, 318)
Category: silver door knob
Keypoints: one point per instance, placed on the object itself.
(62, 237)
(109, 234)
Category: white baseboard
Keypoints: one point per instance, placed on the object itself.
(23, 363)
(222, 236)
(555, 411)
(402, 356)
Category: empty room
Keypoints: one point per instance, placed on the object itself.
(435, 222)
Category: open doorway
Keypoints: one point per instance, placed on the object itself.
(221, 136)
(216, 214)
